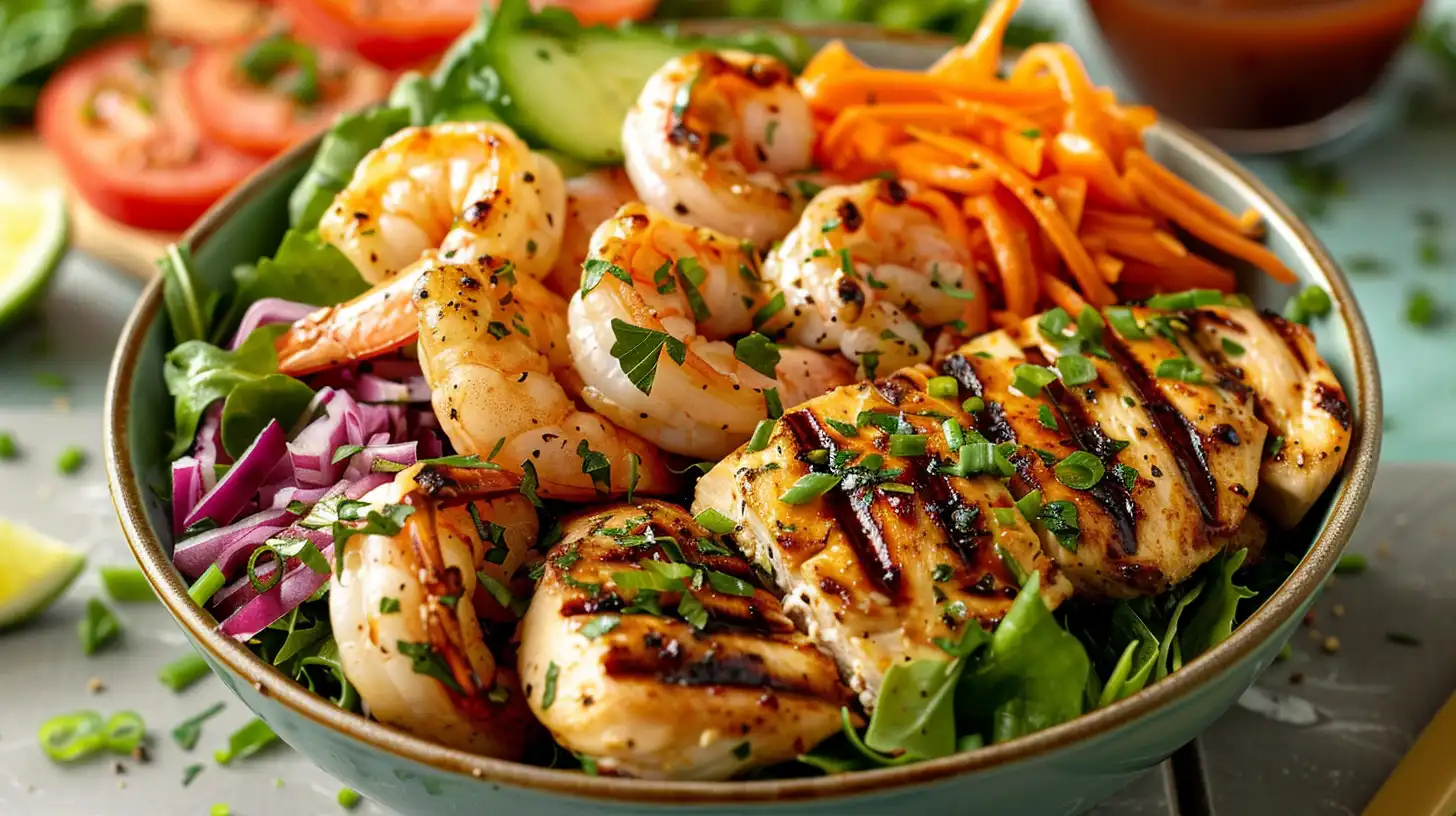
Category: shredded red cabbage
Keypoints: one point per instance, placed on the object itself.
(233, 491)
(266, 311)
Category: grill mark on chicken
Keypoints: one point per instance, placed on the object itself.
(1288, 332)
(1333, 402)
(942, 504)
(1178, 432)
(1089, 436)
(669, 665)
(991, 422)
(853, 516)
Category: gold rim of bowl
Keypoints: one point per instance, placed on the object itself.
(1318, 562)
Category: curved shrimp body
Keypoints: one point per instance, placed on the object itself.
(867, 268)
(381, 320)
(493, 352)
(713, 138)
(591, 199)
(404, 609)
(470, 189)
(686, 290)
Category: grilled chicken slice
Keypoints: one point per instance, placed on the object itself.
(898, 552)
(1192, 445)
(648, 648)
(1298, 397)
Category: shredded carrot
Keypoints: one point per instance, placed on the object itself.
(1040, 174)
(1169, 182)
(1050, 218)
(981, 56)
(1005, 320)
(1214, 235)
(936, 168)
(1062, 295)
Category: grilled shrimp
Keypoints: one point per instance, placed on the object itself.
(499, 376)
(714, 138)
(686, 290)
(381, 320)
(404, 609)
(648, 648)
(470, 189)
(591, 199)
(867, 268)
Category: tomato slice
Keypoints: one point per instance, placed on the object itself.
(391, 33)
(117, 119)
(267, 118)
(403, 33)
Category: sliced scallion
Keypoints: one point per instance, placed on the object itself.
(206, 586)
(1080, 470)
(943, 387)
(127, 585)
(184, 671)
(809, 487)
(907, 444)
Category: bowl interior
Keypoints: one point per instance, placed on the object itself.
(250, 222)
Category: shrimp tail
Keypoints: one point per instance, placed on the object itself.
(381, 320)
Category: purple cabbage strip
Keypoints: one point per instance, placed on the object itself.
(194, 555)
(258, 613)
(266, 311)
(186, 491)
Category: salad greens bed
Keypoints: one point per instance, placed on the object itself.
(233, 410)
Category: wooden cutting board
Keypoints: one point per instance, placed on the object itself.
(26, 161)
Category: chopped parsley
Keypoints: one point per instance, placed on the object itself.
(637, 351)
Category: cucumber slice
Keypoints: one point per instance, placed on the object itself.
(568, 88)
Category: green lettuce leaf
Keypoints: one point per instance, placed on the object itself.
(252, 404)
(190, 302)
(1033, 676)
(343, 147)
(304, 270)
(198, 374)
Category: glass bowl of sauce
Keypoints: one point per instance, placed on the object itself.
(1258, 76)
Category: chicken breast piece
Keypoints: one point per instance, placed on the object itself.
(897, 552)
(1297, 396)
(648, 647)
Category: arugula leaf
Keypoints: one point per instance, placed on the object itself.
(637, 351)
(198, 374)
(255, 403)
(1213, 618)
(1130, 631)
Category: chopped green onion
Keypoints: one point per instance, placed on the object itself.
(1420, 309)
(348, 798)
(1429, 250)
(1403, 638)
(245, 742)
(1029, 505)
(1076, 369)
(1365, 264)
(8, 449)
(190, 773)
(1080, 470)
(98, 628)
(1311, 301)
(1030, 379)
(973, 405)
(126, 585)
(1191, 299)
(1230, 348)
(907, 444)
(1053, 324)
(1276, 445)
(548, 694)
(944, 387)
(954, 438)
(50, 379)
(843, 428)
(896, 487)
(263, 584)
(206, 586)
(1122, 320)
(1351, 564)
(729, 585)
(69, 737)
(600, 625)
(761, 434)
(942, 573)
(772, 403)
(219, 809)
(71, 460)
(809, 487)
(1004, 516)
(715, 522)
(125, 732)
(184, 671)
(1180, 368)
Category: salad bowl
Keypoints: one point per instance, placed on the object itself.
(1064, 769)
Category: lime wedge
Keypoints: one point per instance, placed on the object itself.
(34, 570)
(34, 230)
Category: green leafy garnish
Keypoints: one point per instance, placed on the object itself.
(637, 351)
(758, 353)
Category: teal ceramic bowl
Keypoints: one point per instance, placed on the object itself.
(1062, 770)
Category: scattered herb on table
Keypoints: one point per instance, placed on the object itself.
(1420, 309)
(8, 449)
(1352, 564)
(71, 460)
(98, 627)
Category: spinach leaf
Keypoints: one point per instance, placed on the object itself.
(1213, 618)
(254, 403)
(37, 36)
(343, 147)
(1129, 628)
(198, 374)
(915, 714)
(304, 270)
(191, 304)
(1169, 653)
(1032, 677)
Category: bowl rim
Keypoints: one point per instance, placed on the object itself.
(1308, 575)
